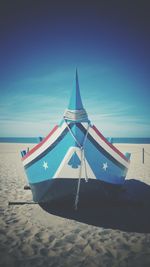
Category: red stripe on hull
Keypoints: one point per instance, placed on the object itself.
(40, 144)
(109, 144)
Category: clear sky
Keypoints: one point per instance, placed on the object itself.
(42, 43)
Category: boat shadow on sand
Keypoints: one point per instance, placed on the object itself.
(128, 211)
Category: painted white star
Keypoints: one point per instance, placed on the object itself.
(45, 165)
(105, 166)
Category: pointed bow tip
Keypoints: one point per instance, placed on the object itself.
(76, 111)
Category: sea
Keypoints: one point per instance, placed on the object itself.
(113, 140)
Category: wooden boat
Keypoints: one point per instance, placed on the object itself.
(73, 157)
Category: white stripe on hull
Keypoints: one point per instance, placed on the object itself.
(66, 171)
(106, 147)
(47, 144)
(59, 131)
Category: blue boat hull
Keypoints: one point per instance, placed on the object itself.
(73, 149)
(48, 163)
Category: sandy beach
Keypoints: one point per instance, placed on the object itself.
(30, 236)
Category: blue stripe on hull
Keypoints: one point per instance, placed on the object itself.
(49, 149)
(54, 155)
(101, 150)
(114, 174)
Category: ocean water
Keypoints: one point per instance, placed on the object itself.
(113, 140)
(129, 140)
(28, 140)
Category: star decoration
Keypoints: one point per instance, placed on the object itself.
(45, 165)
(105, 166)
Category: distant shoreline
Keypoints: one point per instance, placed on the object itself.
(113, 140)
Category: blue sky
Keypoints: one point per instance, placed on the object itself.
(43, 43)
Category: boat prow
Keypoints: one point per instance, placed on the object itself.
(73, 151)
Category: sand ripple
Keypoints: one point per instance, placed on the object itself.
(31, 237)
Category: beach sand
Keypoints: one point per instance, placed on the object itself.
(29, 236)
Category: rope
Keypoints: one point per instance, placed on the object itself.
(82, 159)
(79, 182)
(86, 176)
(85, 138)
(73, 135)
(75, 115)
